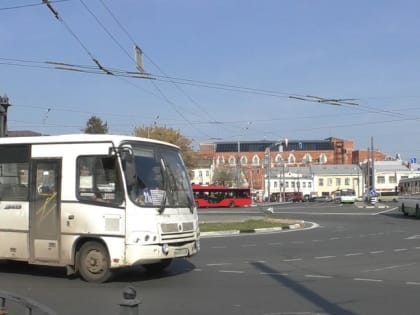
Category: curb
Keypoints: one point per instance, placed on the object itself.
(295, 226)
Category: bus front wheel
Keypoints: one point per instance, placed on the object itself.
(93, 262)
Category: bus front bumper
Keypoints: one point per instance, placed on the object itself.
(146, 254)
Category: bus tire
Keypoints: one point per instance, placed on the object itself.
(93, 262)
(403, 210)
(159, 266)
(232, 204)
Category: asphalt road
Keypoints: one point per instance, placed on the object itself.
(354, 261)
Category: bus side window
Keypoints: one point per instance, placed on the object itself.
(98, 179)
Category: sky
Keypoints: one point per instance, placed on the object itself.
(218, 70)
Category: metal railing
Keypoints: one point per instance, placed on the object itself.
(129, 304)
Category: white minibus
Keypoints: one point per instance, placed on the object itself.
(94, 203)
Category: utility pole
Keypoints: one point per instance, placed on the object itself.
(373, 164)
(4, 105)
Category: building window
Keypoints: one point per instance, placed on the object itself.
(392, 179)
(347, 181)
(338, 182)
(255, 160)
(303, 184)
(275, 184)
(307, 158)
(244, 160)
(292, 159)
(220, 160)
(322, 158)
(309, 185)
(320, 182)
(278, 158)
(381, 179)
(232, 160)
(329, 182)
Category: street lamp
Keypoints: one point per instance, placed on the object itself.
(239, 166)
(268, 161)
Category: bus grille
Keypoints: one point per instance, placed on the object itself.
(176, 232)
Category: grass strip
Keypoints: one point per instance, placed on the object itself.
(243, 225)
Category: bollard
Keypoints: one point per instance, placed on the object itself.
(3, 310)
(129, 304)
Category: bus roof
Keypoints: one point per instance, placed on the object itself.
(79, 138)
(215, 187)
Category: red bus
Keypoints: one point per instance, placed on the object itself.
(214, 196)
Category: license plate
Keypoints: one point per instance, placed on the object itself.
(180, 252)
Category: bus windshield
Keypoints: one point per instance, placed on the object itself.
(157, 177)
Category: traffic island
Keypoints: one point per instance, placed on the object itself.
(255, 225)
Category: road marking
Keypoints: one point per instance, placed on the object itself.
(368, 280)
(231, 271)
(316, 241)
(218, 264)
(400, 249)
(353, 254)
(414, 237)
(218, 247)
(275, 244)
(318, 276)
(334, 238)
(389, 267)
(292, 259)
(412, 283)
(274, 274)
(377, 252)
(325, 257)
(248, 245)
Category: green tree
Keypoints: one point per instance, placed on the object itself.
(95, 125)
(224, 176)
(172, 136)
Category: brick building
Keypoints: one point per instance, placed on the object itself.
(249, 160)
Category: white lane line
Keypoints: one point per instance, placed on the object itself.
(412, 283)
(275, 244)
(325, 257)
(218, 247)
(274, 274)
(377, 252)
(218, 264)
(248, 245)
(318, 276)
(292, 259)
(367, 280)
(315, 241)
(231, 271)
(389, 267)
(417, 247)
(400, 249)
(353, 254)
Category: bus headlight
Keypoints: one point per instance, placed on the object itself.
(165, 249)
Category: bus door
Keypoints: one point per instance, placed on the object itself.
(44, 210)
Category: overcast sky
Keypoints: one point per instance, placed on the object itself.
(221, 70)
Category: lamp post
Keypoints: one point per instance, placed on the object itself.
(267, 154)
(238, 164)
